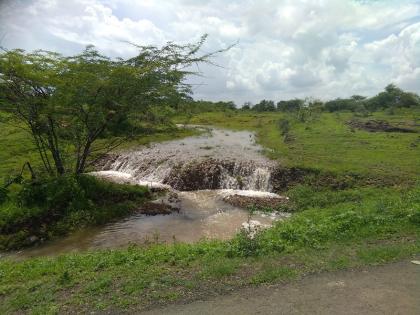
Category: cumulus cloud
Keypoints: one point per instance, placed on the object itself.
(289, 48)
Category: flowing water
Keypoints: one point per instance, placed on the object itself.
(218, 159)
(202, 170)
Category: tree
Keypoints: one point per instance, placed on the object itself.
(354, 104)
(246, 106)
(358, 98)
(290, 105)
(393, 97)
(67, 103)
(264, 106)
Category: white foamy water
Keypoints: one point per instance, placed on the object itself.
(249, 193)
(125, 178)
(225, 159)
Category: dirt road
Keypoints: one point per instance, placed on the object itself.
(390, 289)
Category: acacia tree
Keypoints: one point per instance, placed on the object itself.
(67, 103)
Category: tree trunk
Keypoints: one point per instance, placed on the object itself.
(54, 148)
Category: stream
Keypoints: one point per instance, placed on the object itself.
(201, 171)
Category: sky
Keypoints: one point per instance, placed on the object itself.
(284, 49)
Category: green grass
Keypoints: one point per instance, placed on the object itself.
(375, 227)
(158, 135)
(326, 143)
(16, 149)
(330, 229)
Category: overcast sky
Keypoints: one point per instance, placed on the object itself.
(296, 48)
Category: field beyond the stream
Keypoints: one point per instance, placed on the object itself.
(357, 204)
(326, 142)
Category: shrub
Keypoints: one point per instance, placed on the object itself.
(54, 206)
(62, 194)
(3, 194)
(243, 245)
(284, 126)
(415, 217)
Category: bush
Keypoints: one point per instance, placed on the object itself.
(67, 193)
(55, 206)
(3, 195)
(284, 126)
(62, 194)
(101, 191)
(243, 245)
(415, 217)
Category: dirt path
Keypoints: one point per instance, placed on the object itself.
(391, 289)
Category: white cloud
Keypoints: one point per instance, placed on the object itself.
(286, 48)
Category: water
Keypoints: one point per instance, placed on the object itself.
(217, 159)
(230, 163)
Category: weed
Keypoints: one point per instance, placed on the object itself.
(273, 273)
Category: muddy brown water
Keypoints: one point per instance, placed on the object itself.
(203, 214)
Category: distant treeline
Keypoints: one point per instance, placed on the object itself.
(392, 97)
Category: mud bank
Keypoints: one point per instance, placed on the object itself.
(378, 126)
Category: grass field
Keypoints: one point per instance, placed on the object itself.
(326, 143)
(331, 228)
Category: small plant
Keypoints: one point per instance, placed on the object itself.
(414, 218)
(284, 126)
(246, 242)
(243, 245)
(3, 194)
(65, 278)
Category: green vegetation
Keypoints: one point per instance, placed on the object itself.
(325, 142)
(374, 220)
(333, 230)
(60, 114)
(21, 149)
(23, 224)
(350, 167)
(48, 208)
(391, 98)
(68, 103)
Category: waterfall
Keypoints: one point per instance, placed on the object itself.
(220, 159)
(193, 175)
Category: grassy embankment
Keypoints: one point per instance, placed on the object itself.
(326, 143)
(331, 229)
(55, 207)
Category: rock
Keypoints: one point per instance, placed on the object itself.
(155, 208)
(173, 197)
(258, 202)
(105, 161)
